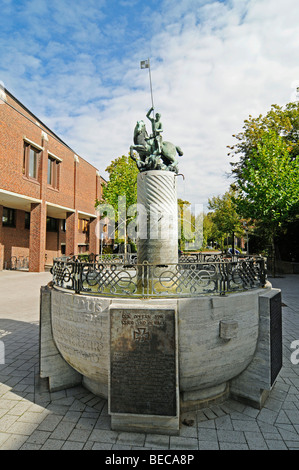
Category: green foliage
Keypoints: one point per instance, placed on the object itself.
(268, 185)
(267, 173)
(186, 222)
(210, 230)
(122, 182)
(281, 122)
(120, 192)
(225, 215)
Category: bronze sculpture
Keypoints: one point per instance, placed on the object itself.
(153, 152)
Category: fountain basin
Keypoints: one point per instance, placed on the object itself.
(216, 338)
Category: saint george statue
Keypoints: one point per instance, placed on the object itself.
(153, 152)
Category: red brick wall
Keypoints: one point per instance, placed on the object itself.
(52, 246)
(64, 196)
(86, 187)
(15, 239)
(13, 127)
(79, 186)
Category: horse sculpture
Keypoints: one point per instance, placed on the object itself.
(149, 157)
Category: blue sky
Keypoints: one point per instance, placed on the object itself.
(76, 65)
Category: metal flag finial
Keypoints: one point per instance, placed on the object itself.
(145, 64)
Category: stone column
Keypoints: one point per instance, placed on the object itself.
(93, 237)
(157, 224)
(71, 234)
(37, 238)
(254, 384)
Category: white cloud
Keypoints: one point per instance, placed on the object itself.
(213, 64)
(214, 74)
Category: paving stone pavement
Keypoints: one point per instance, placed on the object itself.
(31, 418)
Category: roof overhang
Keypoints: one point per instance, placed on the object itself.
(56, 211)
(17, 201)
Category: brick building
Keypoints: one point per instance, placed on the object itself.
(47, 192)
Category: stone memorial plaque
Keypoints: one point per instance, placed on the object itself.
(143, 361)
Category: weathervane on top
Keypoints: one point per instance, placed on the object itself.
(153, 152)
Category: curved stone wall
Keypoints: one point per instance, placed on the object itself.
(80, 331)
(217, 338)
(217, 341)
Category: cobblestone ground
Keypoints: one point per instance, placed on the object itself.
(31, 418)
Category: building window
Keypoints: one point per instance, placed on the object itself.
(52, 224)
(8, 217)
(53, 172)
(82, 249)
(83, 225)
(30, 161)
(27, 220)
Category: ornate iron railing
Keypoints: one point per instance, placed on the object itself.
(18, 263)
(105, 277)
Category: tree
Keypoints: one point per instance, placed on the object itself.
(122, 182)
(225, 215)
(186, 222)
(210, 231)
(121, 190)
(283, 122)
(191, 226)
(267, 186)
(266, 175)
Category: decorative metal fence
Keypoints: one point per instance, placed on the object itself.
(18, 263)
(113, 277)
